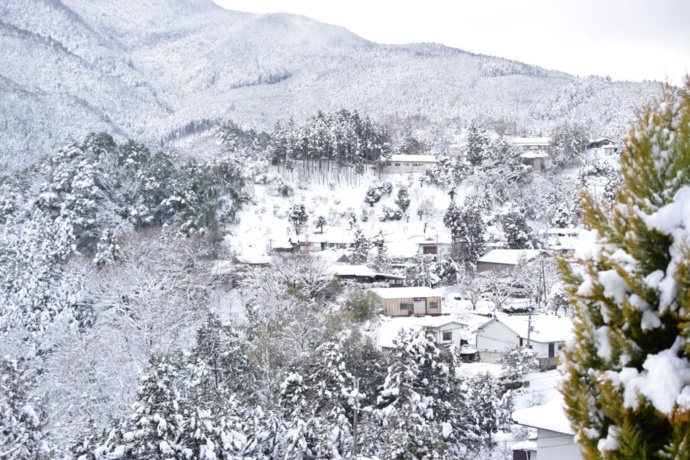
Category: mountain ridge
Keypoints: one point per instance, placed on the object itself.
(145, 69)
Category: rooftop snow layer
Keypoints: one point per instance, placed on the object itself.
(414, 158)
(406, 292)
(509, 256)
(550, 416)
(545, 328)
(390, 329)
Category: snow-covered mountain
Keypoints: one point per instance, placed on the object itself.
(153, 69)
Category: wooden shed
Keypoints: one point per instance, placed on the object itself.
(407, 301)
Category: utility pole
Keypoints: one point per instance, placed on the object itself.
(529, 326)
(354, 424)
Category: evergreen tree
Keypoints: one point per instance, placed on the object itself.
(517, 232)
(403, 199)
(320, 223)
(373, 196)
(21, 426)
(567, 142)
(408, 400)
(156, 427)
(467, 230)
(218, 365)
(360, 247)
(478, 143)
(422, 272)
(489, 411)
(627, 373)
(298, 216)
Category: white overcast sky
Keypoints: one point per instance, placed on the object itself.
(625, 39)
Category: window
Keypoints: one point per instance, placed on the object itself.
(397, 164)
(447, 336)
(433, 305)
(405, 306)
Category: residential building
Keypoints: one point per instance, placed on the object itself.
(545, 334)
(405, 164)
(408, 301)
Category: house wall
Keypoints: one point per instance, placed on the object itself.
(456, 330)
(443, 250)
(552, 445)
(496, 337)
(391, 307)
(486, 266)
(405, 167)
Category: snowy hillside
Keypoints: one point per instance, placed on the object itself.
(151, 70)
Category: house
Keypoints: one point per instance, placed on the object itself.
(507, 332)
(535, 159)
(562, 240)
(391, 279)
(603, 145)
(440, 248)
(405, 164)
(408, 301)
(334, 239)
(531, 144)
(359, 273)
(444, 329)
(532, 150)
(555, 438)
(505, 259)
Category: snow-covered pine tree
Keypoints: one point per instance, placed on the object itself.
(330, 383)
(627, 383)
(298, 216)
(517, 232)
(478, 143)
(403, 199)
(515, 364)
(422, 272)
(21, 427)
(265, 434)
(489, 409)
(107, 250)
(408, 401)
(218, 365)
(320, 223)
(467, 230)
(567, 141)
(165, 424)
(360, 247)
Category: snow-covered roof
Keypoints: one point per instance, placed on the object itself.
(333, 235)
(537, 141)
(551, 416)
(443, 238)
(406, 292)
(524, 445)
(545, 328)
(390, 329)
(534, 154)
(414, 158)
(480, 368)
(281, 243)
(563, 231)
(253, 259)
(352, 270)
(509, 256)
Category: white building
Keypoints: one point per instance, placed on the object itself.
(405, 164)
(501, 259)
(439, 246)
(507, 332)
(444, 329)
(555, 438)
